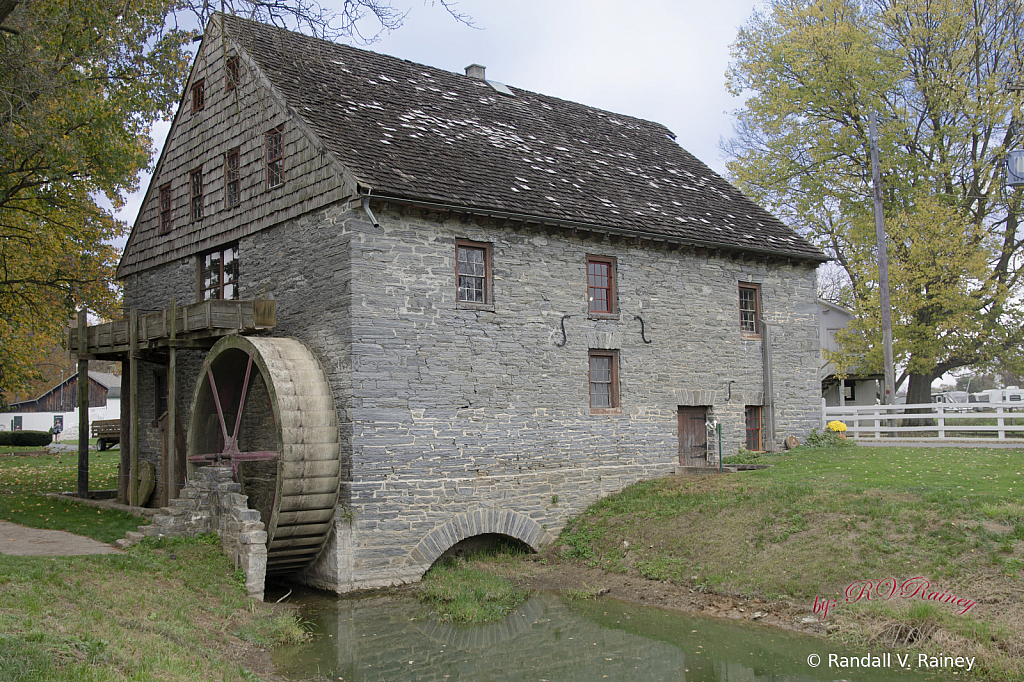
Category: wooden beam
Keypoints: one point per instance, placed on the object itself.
(83, 407)
(126, 433)
(133, 361)
(171, 484)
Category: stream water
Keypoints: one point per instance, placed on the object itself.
(390, 637)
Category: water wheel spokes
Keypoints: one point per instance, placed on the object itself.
(229, 450)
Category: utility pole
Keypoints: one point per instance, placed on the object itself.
(883, 270)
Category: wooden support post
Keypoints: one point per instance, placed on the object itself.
(769, 390)
(171, 484)
(126, 432)
(83, 405)
(133, 363)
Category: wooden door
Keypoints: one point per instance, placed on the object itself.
(693, 436)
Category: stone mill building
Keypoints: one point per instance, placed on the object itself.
(487, 307)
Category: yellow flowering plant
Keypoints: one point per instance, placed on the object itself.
(837, 426)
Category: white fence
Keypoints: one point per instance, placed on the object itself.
(959, 421)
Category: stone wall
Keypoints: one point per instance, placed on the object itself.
(461, 420)
(212, 503)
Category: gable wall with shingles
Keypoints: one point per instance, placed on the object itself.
(237, 118)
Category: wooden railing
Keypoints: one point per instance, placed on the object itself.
(209, 318)
(959, 421)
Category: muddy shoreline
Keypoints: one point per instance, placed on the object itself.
(540, 572)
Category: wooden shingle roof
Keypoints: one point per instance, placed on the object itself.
(417, 132)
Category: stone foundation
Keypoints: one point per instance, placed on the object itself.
(212, 502)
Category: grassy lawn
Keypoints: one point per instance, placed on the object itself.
(25, 479)
(168, 610)
(822, 518)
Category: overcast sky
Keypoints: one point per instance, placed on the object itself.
(661, 60)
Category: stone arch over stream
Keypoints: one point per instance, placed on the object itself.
(479, 522)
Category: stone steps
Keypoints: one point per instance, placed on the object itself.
(213, 502)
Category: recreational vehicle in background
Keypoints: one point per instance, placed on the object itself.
(1012, 394)
(952, 398)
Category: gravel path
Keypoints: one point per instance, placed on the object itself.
(18, 540)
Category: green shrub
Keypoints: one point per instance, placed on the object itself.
(25, 438)
(827, 439)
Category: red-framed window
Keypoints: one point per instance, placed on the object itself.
(604, 381)
(165, 208)
(752, 421)
(196, 183)
(601, 285)
(750, 309)
(232, 194)
(474, 272)
(218, 274)
(231, 73)
(198, 95)
(275, 157)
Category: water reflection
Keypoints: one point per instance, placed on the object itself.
(387, 637)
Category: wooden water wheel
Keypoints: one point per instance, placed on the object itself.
(264, 407)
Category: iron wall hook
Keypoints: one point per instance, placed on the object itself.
(637, 317)
(564, 339)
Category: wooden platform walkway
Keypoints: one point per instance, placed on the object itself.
(155, 336)
(197, 325)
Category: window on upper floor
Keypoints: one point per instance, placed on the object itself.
(232, 73)
(474, 272)
(750, 309)
(601, 293)
(752, 420)
(232, 196)
(218, 274)
(604, 381)
(198, 95)
(165, 208)
(275, 157)
(196, 183)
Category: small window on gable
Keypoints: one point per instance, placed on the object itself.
(198, 95)
(601, 294)
(474, 273)
(752, 419)
(275, 157)
(218, 274)
(231, 73)
(231, 178)
(750, 309)
(196, 183)
(604, 381)
(165, 208)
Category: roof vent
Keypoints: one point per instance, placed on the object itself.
(476, 71)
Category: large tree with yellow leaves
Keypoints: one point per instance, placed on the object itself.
(936, 72)
(81, 82)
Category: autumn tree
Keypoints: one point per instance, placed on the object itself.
(936, 72)
(81, 82)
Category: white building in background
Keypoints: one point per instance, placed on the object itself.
(57, 408)
(855, 388)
